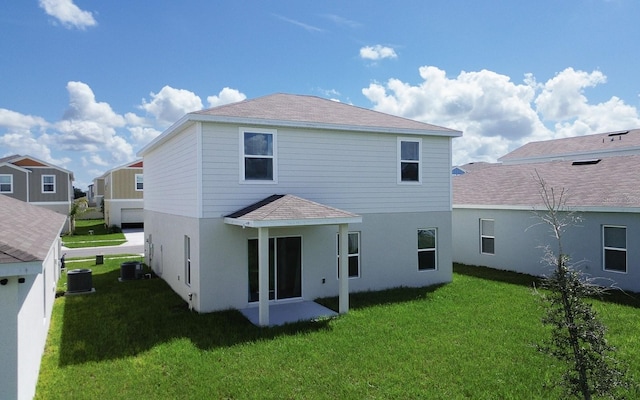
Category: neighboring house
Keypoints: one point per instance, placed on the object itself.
(97, 189)
(123, 195)
(37, 182)
(495, 224)
(244, 203)
(29, 270)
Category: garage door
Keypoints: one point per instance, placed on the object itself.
(132, 215)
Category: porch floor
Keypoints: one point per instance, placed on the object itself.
(284, 313)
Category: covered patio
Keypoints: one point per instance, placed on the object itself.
(279, 211)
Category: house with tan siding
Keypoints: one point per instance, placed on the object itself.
(123, 194)
(283, 199)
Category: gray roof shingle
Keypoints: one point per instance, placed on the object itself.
(613, 182)
(601, 144)
(26, 231)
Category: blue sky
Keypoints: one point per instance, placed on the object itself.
(85, 84)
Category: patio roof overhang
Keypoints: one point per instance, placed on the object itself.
(289, 210)
(279, 211)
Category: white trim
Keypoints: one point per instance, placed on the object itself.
(434, 249)
(291, 222)
(199, 174)
(605, 248)
(483, 236)
(400, 140)
(273, 156)
(136, 182)
(42, 184)
(10, 191)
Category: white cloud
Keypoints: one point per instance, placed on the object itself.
(83, 106)
(226, 96)
(16, 121)
(68, 14)
(169, 105)
(377, 52)
(142, 134)
(497, 115)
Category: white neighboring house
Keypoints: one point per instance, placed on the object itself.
(244, 203)
(29, 270)
(494, 223)
(123, 194)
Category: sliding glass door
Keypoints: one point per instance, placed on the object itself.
(285, 268)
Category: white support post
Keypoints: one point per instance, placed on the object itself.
(344, 269)
(263, 276)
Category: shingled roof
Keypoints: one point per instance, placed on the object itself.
(26, 231)
(304, 111)
(289, 210)
(572, 148)
(609, 183)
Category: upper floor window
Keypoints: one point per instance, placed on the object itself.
(614, 240)
(6, 183)
(487, 237)
(427, 249)
(258, 161)
(139, 182)
(409, 163)
(48, 183)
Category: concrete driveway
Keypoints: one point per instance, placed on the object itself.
(133, 245)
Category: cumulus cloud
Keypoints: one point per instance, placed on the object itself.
(16, 121)
(226, 96)
(497, 114)
(169, 105)
(68, 14)
(377, 52)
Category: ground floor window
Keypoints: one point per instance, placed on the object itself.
(487, 236)
(614, 239)
(285, 268)
(354, 255)
(187, 260)
(427, 246)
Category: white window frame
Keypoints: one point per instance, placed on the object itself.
(401, 160)
(273, 156)
(187, 260)
(350, 255)
(433, 249)
(609, 248)
(10, 184)
(48, 183)
(485, 236)
(141, 182)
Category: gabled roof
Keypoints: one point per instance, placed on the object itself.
(133, 164)
(302, 111)
(289, 210)
(606, 184)
(30, 161)
(572, 148)
(26, 231)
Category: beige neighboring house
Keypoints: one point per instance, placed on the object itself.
(123, 195)
(29, 271)
(37, 182)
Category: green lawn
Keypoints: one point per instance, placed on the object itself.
(92, 233)
(472, 338)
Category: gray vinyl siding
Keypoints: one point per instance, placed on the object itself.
(520, 239)
(171, 175)
(348, 170)
(19, 182)
(62, 188)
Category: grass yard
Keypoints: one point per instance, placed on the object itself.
(92, 233)
(472, 338)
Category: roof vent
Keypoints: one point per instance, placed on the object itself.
(618, 133)
(586, 162)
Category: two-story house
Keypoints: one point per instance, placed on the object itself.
(37, 182)
(122, 197)
(287, 198)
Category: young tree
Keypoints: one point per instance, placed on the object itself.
(577, 335)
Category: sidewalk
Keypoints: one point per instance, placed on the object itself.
(133, 245)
